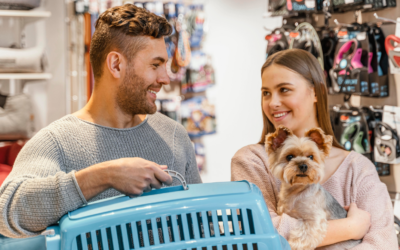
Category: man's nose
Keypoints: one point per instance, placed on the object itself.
(163, 77)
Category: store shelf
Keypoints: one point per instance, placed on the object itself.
(25, 76)
(28, 15)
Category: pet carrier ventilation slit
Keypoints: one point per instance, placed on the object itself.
(96, 243)
(125, 237)
(140, 233)
(104, 239)
(227, 228)
(210, 224)
(215, 223)
(235, 222)
(251, 221)
(159, 233)
(130, 236)
(150, 231)
(180, 227)
(171, 229)
(110, 239)
(190, 226)
(220, 223)
(145, 233)
(196, 225)
(79, 242)
(240, 221)
(185, 226)
(115, 238)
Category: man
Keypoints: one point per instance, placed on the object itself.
(116, 144)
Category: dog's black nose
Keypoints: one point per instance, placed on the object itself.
(303, 168)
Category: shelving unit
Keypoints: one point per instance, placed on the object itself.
(25, 76)
(28, 16)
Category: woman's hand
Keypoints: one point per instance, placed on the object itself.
(359, 221)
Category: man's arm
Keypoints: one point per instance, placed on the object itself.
(38, 191)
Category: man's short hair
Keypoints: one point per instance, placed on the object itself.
(122, 28)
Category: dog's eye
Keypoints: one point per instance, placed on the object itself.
(311, 157)
(289, 157)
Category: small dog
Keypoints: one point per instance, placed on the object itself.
(299, 164)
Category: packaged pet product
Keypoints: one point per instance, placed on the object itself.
(19, 4)
(351, 129)
(199, 151)
(349, 73)
(198, 116)
(300, 5)
(200, 74)
(387, 144)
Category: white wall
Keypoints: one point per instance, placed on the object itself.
(236, 43)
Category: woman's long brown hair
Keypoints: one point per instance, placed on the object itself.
(306, 65)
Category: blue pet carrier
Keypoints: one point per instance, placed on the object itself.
(230, 215)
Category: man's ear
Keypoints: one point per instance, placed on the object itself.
(323, 141)
(115, 63)
(274, 141)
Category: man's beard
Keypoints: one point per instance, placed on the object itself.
(132, 95)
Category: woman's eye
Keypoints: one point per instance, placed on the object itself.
(289, 157)
(311, 157)
(265, 93)
(284, 90)
(156, 65)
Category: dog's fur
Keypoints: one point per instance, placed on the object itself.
(301, 196)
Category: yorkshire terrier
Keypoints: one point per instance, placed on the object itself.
(299, 164)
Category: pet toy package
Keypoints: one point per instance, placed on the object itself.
(300, 5)
(200, 74)
(349, 73)
(199, 151)
(198, 116)
(382, 62)
(373, 115)
(373, 77)
(343, 5)
(351, 129)
(387, 144)
(393, 53)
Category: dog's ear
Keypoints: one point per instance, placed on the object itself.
(323, 141)
(273, 141)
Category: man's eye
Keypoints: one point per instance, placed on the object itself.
(289, 157)
(156, 65)
(311, 157)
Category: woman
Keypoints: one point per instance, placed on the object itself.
(294, 95)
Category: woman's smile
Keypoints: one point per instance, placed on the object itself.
(280, 115)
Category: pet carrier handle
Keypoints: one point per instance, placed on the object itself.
(178, 176)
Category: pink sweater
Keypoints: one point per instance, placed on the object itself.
(356, 180)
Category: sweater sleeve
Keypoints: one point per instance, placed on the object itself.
(192, 175)
(250, 163)
(371, 195)
(38, 191)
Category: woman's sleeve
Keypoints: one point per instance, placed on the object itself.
(249, 163)
(371, 195)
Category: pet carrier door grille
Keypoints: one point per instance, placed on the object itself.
(169, 229)
(212, 216)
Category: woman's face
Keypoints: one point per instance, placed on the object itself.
(288, 99)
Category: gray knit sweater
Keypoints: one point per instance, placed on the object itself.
(42, 187)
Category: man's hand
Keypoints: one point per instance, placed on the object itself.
(130, 176)
(133, 176)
